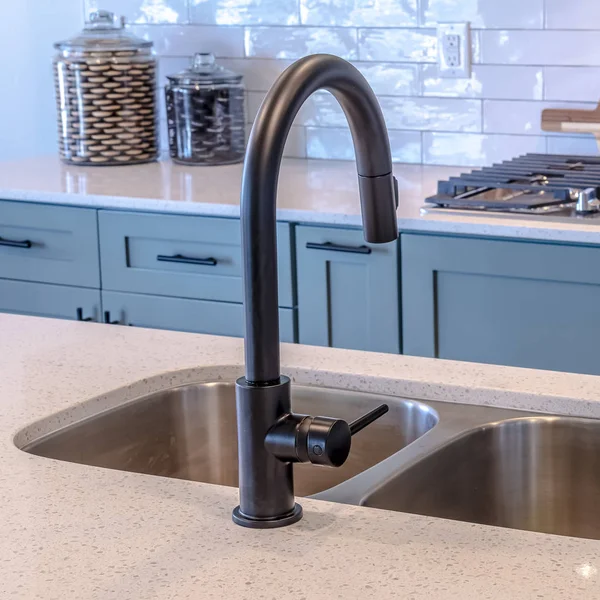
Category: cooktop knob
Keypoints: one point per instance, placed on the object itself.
(587, 201)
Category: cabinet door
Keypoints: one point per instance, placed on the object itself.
(182, 314)
(347, 290)
(503, 302)
(46, 300)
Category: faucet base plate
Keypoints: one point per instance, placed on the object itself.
(240, 519)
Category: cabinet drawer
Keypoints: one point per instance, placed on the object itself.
(52, 244)
(183, 256)
(347, 290)
(46, 300)
(182, 314)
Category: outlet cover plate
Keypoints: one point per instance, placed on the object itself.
(454, 50)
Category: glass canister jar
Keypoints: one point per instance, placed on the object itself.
(105, 82)
(205, 114)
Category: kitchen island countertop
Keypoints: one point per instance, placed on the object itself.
(73, 532)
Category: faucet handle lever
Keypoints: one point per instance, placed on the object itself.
(360, 423)
(317, 440)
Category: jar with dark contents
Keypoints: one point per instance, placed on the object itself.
(105, 81)
(205, 114)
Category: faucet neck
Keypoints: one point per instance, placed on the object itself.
(259, 189)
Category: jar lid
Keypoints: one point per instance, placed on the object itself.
(204, 70)
(104, 31)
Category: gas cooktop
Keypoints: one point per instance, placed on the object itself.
(534, 184)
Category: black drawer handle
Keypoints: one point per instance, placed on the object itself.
(107, 319)
(80, 315)
(15, 243)
(339, 248)
(179, 258)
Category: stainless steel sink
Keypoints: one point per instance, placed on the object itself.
(190, 433)
(534, 473)
(471, 463)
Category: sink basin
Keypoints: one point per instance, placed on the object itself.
(189, 432)
(535, 473)
(465, 462)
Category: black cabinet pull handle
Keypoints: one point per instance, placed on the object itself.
(80, 315)
(107, 319)
(339, 248)
(179, 258)
(15, 243)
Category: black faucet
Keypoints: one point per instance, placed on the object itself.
(270, 437)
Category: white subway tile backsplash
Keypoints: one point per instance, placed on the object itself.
(577, 14)
(360, 13)
(487, 81)
(259, 73)
(406, 146)
(573, 145)
(506, 116)
(497, 14)
(336, 144)
(385, 78)
(577, 48)
(477, 149)
(295, 42)
(443, 114)
(527, 55)
(407, 45)
(391, 79)
(321, 109)
(579, 84)
(244, 12)
(186, 40)
(143, 11)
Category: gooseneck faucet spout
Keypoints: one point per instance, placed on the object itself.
(270, 437)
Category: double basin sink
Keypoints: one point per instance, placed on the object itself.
(469, 463)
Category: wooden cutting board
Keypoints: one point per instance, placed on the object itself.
(568, 120)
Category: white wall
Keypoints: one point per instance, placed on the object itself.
(528, 55)
(27, 106)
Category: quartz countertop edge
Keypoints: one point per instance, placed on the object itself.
(73, 532)
(310, 191)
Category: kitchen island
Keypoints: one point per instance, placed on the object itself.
(74, 532)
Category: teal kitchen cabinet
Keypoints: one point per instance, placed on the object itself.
(181, 256)
(49, 244)
(347, 290)
(49, 261)
(184, 314)
(47, 300)
(505, 302)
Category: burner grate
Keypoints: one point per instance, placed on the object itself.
(529, 182)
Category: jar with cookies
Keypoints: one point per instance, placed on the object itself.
(105, 81)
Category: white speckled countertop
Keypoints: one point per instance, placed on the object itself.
(310, 191)
(73, 532)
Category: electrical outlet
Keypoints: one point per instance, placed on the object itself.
(454, 50)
